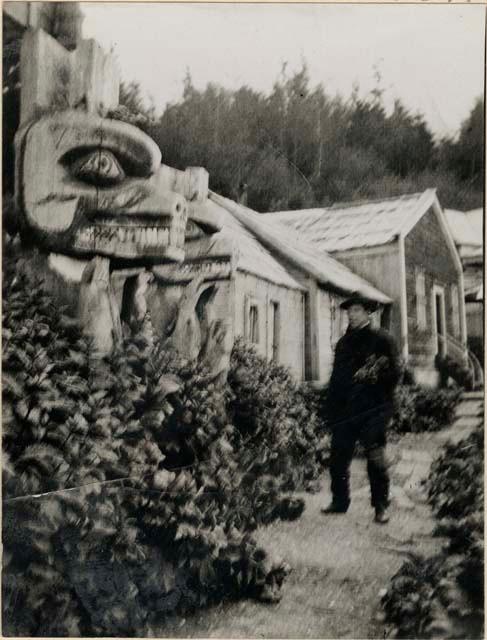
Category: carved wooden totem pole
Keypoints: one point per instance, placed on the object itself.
(103, 216)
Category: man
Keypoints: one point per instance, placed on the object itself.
(360, 403)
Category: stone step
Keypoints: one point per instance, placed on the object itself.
(453, 434)
(470, 408)
(467, 422)
(473, 395)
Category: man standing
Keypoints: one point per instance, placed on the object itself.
(360, 404)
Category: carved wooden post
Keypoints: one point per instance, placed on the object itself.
(91, 194)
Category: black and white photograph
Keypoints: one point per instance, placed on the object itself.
(243, 320)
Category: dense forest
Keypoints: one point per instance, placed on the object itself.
(296, 146)
(299, 147)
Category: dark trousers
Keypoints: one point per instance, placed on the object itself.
(370, 429)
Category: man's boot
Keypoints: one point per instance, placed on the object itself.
(381, 515)
(334, 508)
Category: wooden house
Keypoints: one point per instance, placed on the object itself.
(403, 246)
(468, 234)
(281, 294)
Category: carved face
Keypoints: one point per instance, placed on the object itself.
(91, 186)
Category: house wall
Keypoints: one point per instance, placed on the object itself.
(311, 321)
(475, 329)
(324, 324)
(251, 290)
(475, 319)
(427, 250)
(327, 309)
(381, 267)
(333, 324)
(473, 274)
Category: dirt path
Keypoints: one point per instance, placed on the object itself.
(340, 563)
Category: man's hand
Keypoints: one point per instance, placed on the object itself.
(372, 370)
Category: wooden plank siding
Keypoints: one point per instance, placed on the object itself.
(475, 319)
(333, 324)
(427, 252)
(251, 290)
(380, 266)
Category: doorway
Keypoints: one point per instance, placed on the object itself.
(439, 320)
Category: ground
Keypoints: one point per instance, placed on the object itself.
(341, 564)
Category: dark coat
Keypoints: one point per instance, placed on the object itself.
(350, 398)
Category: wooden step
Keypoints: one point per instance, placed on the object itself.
(468, 422)
(453, 434)
(470, 408)
(473, 395)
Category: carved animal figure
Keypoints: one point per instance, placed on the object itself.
(98, 309)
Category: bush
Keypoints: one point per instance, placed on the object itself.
(443, 596)
(148, 493)
(451, 369)
(278, 424)
(418, 409)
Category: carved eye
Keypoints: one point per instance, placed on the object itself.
(98, 167)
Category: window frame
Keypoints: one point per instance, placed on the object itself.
(455, 307)
(421, 299)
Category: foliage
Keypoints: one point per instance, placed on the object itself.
(148, 494)
(280, 431)
(443, 596)
(465, 156)
(458, 372)
(298, 147)
(456, 493)
(131, 108)
(418, 409)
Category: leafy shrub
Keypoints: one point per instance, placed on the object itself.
(456, 493)
(148, 493)
(450, 368)
(418, 409)
(443, 596)
(426, 600)
(280, 429)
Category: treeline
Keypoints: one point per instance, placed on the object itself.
(297, 146)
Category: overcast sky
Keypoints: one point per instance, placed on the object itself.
(432, 57)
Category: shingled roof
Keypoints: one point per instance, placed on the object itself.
(249, 255)
(357, 224)
(279, 241)
(463, 231)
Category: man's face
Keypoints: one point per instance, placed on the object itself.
(357, 315)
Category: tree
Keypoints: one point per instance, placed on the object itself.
(468, 159)
(408, 143)
(130, 96)
(299, 147)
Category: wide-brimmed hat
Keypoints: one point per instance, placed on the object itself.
(357, 298)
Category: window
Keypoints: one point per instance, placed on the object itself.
(439, 316)
(254, 324)
(274, 328)
(455, 313)
(420, 300)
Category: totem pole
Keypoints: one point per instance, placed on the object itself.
(104, 219)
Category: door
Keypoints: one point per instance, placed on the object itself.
(439, 319)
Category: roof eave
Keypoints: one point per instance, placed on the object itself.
(287, 252)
